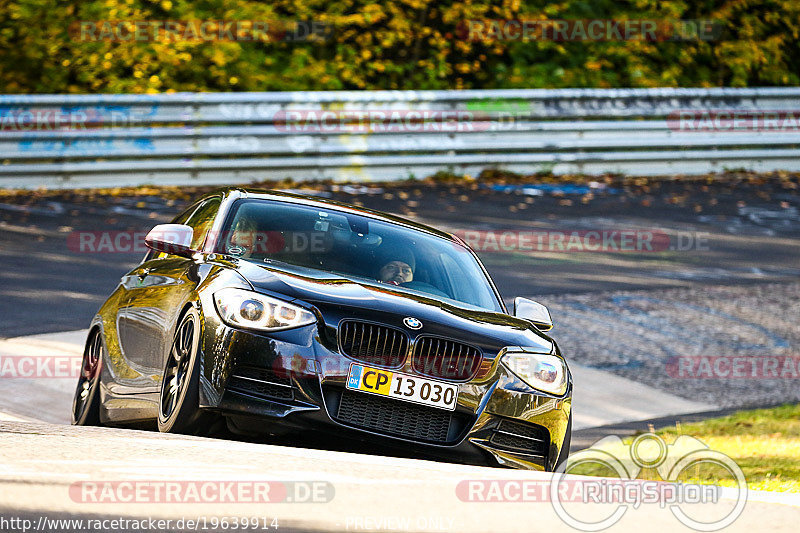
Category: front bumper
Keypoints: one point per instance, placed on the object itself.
(295, 381)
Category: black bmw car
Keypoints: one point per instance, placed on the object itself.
(278, 313)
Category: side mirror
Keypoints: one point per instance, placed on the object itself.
(534, 312)
(172, 239)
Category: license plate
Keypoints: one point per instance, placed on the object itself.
(402, 387)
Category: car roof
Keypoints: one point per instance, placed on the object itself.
(324, 203)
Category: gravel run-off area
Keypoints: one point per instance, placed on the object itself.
(644, 336)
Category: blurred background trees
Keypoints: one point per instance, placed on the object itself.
(395, 44)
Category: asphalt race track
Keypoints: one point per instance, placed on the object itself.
(726, 281)
(351, 492)
(717, 233)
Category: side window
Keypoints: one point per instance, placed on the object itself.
(183, 217)
(202, 220)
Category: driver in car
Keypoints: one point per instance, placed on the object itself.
(397, 266)
(243, 239)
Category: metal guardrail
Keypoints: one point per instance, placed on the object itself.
(208, 138)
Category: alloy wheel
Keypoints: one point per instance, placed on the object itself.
(177, 368)
(87, 382)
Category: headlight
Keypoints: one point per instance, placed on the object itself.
(248, 309)
(541, 371)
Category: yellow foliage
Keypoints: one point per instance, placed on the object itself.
(398, 44)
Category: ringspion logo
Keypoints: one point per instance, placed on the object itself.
(684, 459)
(589, 502)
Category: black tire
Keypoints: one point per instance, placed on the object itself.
(178, 410)
(563, 455)
(86, 402)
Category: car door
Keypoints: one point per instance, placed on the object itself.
(157, 292)
(129, 374)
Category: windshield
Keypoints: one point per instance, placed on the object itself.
(356, 246)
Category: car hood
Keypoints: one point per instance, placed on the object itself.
(338, 297)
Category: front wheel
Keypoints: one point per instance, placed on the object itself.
(178, 410)
(86, 403)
